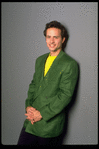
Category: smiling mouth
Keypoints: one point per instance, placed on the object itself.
(52, 46)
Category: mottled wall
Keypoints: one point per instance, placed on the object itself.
(23, 42)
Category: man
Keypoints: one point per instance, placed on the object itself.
(50, 91)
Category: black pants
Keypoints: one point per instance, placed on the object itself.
(29, 139)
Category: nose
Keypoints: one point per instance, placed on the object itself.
(52, 40)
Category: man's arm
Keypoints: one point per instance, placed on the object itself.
(64, 94)
(29, 100)
(33, 115)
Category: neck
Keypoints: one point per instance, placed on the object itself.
(55, 53)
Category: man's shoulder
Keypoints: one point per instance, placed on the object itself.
(68, 59)
(42, 56)
(69, 62)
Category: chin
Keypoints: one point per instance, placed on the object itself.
(52, 49)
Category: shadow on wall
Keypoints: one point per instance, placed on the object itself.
(68, 108)
(74, 97)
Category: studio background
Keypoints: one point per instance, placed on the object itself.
(23, 41)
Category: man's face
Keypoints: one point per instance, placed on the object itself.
(54, 39)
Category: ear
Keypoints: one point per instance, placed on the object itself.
(63, 40)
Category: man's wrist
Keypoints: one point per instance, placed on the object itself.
(27, 107)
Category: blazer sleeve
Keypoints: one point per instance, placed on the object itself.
(29, 100)
(64, 95)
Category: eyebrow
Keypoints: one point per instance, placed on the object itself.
(53, 36)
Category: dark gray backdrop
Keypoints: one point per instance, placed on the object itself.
(23, 42)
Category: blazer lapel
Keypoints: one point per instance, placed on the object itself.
(40, 70)
(55, 67)
(44, 81)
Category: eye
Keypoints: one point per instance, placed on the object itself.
(55, 37)
(48, 36)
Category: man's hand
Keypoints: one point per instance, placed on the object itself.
(37, 116)
(33, 115)
(30, 109)
(29, 113)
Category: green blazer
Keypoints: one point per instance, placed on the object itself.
(51, 94)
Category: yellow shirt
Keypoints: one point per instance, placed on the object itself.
(48, 63)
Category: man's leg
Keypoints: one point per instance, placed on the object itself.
(27, 138)
(55, 141)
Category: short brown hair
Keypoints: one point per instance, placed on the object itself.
(56, 24)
